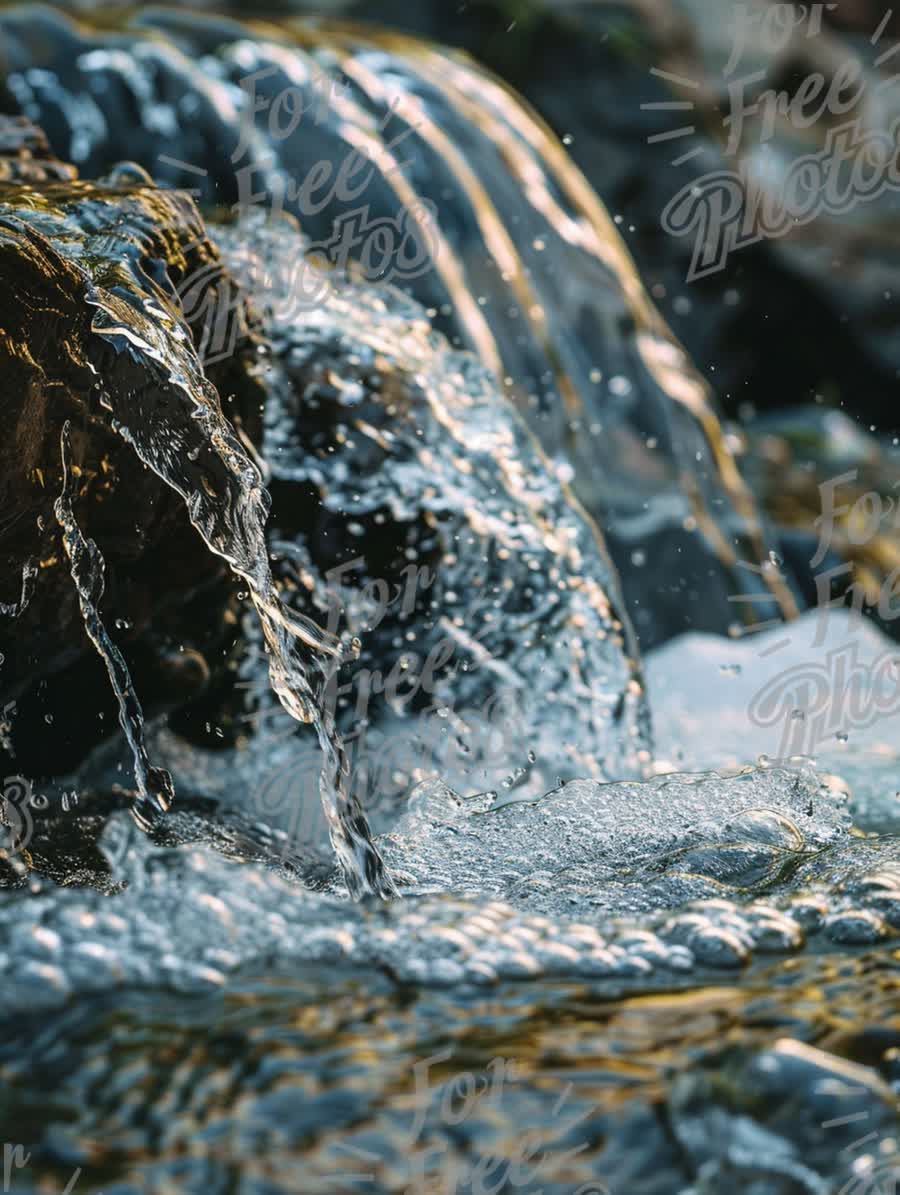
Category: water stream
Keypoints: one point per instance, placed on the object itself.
(467, 491)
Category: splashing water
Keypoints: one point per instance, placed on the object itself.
(399, 437)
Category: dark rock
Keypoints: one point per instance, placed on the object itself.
(167, 601)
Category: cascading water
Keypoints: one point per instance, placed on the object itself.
(412, 490)
(221, 487)
(530, 272)
(521, 607)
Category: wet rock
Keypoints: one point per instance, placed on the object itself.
(165, 601)
(827, 485)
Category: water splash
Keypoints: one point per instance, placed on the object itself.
(399, 439)
(29, 575)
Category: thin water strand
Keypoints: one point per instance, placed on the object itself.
(155, 789)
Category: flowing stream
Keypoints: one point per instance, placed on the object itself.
(481, 493)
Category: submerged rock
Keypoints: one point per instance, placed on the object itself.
(789, 1119)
